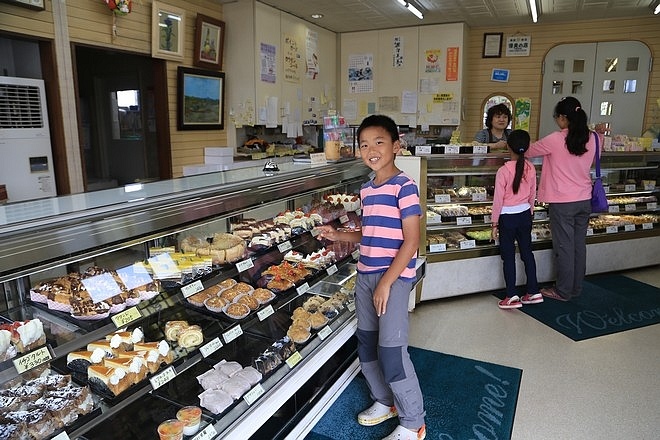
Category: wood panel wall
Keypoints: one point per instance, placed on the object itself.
(526, 71)
(23, 21)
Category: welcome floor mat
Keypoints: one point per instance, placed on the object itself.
(608, 304)
(463, 398)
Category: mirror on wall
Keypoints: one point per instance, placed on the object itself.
(494, 99)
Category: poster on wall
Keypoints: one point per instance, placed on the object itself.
(432, 60)
(397, 52)
(361, 73)
(518, 46)
(291, 60)
(451, 73)
(268, 64)
(523, 109)
(311, 54)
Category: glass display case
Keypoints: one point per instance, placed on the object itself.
(141, 299)
(459, 194)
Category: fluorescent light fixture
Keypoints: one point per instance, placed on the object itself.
(317, 16)
(656, 12)
(416, 12)
(402, 2)
(532, 7)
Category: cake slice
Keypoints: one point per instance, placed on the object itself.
(103, 345)
(79, 361)
(108, 380)
(123, 341)
(155, 353)
(135, 366)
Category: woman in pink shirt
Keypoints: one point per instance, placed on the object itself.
(513, 202)
(566, 187)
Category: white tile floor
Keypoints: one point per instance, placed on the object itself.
(598, 389)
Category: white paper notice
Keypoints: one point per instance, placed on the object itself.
(409, 102)
(349, 109)
(271, 111)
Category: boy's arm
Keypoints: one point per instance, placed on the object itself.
(411, 232)
(330, 233)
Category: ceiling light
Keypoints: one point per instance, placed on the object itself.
(657, 9)
(532, 8)
(402, 2)
(317, 16)
(416, 12)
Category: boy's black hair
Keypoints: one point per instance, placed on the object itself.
(380, 121)
(518, 142)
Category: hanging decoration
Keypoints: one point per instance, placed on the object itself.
(118, 7)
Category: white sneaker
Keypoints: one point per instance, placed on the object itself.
(376, 413)
(401, 433)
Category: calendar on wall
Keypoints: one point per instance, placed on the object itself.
(361, 73)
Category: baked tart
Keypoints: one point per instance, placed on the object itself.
(237, 310)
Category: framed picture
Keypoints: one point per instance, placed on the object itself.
(200, 99)
(167, 31)
(37, 5)
(209, 41)
(492, 45)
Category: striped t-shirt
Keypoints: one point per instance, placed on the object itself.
(383, 208)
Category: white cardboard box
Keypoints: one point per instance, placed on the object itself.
(218, 151)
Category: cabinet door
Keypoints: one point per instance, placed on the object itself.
(610, 78)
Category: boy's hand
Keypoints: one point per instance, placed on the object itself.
(327, 232)
(380, 297)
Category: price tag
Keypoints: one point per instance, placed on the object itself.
(422, 149)
(358, 211)
(32, 359)
(232, 334)
(463, 221)
(590, 231)
(612, 229)
(630, 207)
(442, 198)
(356, 254)
(331, 270)
(318, 158)
(628, 228)
(294, 359)
(613, 208)
(251, 396)
(629, 187)
(315, 232)
(61, 436)
(244, 265)
(651, 206)
(540, 215)
(161, 379)
(192, 288)
(468, 244)
(351, 306)
(433, 218)
(488, 218)
(452, 149)
(606, 188)
(265, 312)
(207, 433)
(126, 317)
(284, 247)
(438, 247)
(211, 347)
(343, 219)
(325, 332)
(649, 187)
(480, 149)
(647, 225)
(479, 197)
(302, 288)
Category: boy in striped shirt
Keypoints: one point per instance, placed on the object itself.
(389, 239)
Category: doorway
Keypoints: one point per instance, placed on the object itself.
(117, 118)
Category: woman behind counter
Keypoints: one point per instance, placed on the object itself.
(498, 118)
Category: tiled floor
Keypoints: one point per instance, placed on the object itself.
(598, 389)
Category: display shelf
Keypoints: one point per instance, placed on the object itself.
(118, 228)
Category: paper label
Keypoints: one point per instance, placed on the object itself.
(452, 149)
(61, 436)
(488, 218)
(468, 244)
(629, 228)
(207, 433)
(433, 219)
(438, 247)
(211, 347)
(318, 158)
(612, 229)
(630, 207)
(463, 221)
(265, 312)
(479, 197)
(480, 149)
(331, 270)
(251, 396)
(162, 378)
(422, 149)
(244, 265)
(294, 359)
(192, 288)
(126, 317)
(232, 334)
(302, 288)
(284, 247)
(613, 208)
(540, 215)
(32, 359)
(343, 219)
(647, 225)
(651, 206)
(356, 254)
(325, 332)
(590, 231)
(351, 306)
(629, 187)
(442, 198)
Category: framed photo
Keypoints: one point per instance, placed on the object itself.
(209, 42)
(200, 99)
(37, 5)
(167, 31)
(492, 45)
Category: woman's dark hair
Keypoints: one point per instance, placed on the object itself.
(578, 131)
(380, 121)
(499, 109)
(518, 142)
